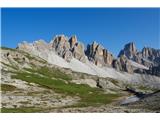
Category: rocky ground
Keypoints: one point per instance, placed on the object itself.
(31, 84)
(18, 94)
(150, 101)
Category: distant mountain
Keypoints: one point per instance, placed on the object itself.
(129, 59)
(148, 57)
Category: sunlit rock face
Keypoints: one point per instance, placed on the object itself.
(98, 55)
(147, 60)
(129, 50)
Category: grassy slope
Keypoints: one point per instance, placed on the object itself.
(56, 80)
(60, 83)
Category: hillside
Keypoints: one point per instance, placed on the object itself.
(63, 76)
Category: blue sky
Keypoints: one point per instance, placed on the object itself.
(111, 27)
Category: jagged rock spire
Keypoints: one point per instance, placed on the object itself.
(96, 53)
(129, 50)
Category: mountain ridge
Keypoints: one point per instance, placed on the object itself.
(69, 48)
(43, 76)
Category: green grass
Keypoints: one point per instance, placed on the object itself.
(144, 88)
(115, 82)
(7, 87)
(58, 81)
(21, 110)
(89, 96)
(50, 72)
(56, 84)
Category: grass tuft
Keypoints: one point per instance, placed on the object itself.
(7, 87)
(21, 110)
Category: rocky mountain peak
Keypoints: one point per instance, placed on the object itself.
(61, 46)
(78, 52)
(150, 52)
(129, 50)
(73, 40)
(123, 64)
(69, 48)
(98, 55)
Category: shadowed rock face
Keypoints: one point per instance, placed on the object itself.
(99, 55)
(123, 64)
(78, 52)
(62, 47)
(148, 57)
(73, 41)
(108, 57)
(131, 53)
(69, 48)
(129, 50)
(154, 70)
(152, 55)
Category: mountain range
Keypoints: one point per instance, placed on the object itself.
(130, 60)
(65, 76)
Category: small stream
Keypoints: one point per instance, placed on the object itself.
(136, 96)
(130, 99)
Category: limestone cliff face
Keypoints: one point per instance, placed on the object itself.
(100, 56)
(148, 57)
(69, 48)
(61, 46)
(123, 64)
(129, 51)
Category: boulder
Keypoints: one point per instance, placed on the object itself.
(106, 84)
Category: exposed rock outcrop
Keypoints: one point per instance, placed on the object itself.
(148, 57)
(148, 60)
(108, 57)
(61, 46)
(152, 55)
(78, 52)
(73, 41)
(69, 48)
(98, 55)
(123, 64)
(129, 51)
(154, 70)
